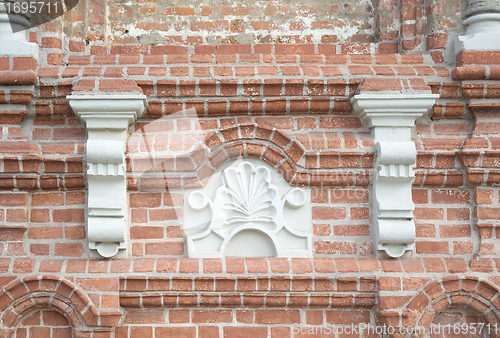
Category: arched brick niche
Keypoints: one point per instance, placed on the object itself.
(44, 323)
(460, 295)
(58, 301)
(460, 320)
(181, 152)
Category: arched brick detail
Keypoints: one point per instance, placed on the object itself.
(252, 140)
(285, 154)
(470, 293)
(246, 140)
(251, 131)
(23, 296)
(256, 149)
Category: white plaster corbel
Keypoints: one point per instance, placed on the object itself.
(391, 118)
(107, 118)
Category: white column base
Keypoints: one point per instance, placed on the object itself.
(481, 33)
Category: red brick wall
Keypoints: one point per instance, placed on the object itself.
(287, 104)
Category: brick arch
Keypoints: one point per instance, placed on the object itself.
(253, 140)
(27, 295)
(37, 301)
(219, 147)
(253, 131)
(469, 293)
(45, 322)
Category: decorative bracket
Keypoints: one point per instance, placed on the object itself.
(391, 118)
(248, 217)
(107, 118)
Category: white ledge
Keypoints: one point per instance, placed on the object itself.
(392, 110)
(107, 118)
(391, 117)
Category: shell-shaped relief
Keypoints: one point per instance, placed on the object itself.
(248, 199)
(247, 217)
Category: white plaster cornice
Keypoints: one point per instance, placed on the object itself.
(391, 117)
(392, 109)
(107, 118)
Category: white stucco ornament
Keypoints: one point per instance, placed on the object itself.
(248, 216)
(107, 118)
(391, 118)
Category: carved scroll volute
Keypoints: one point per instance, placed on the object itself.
(107, 118)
